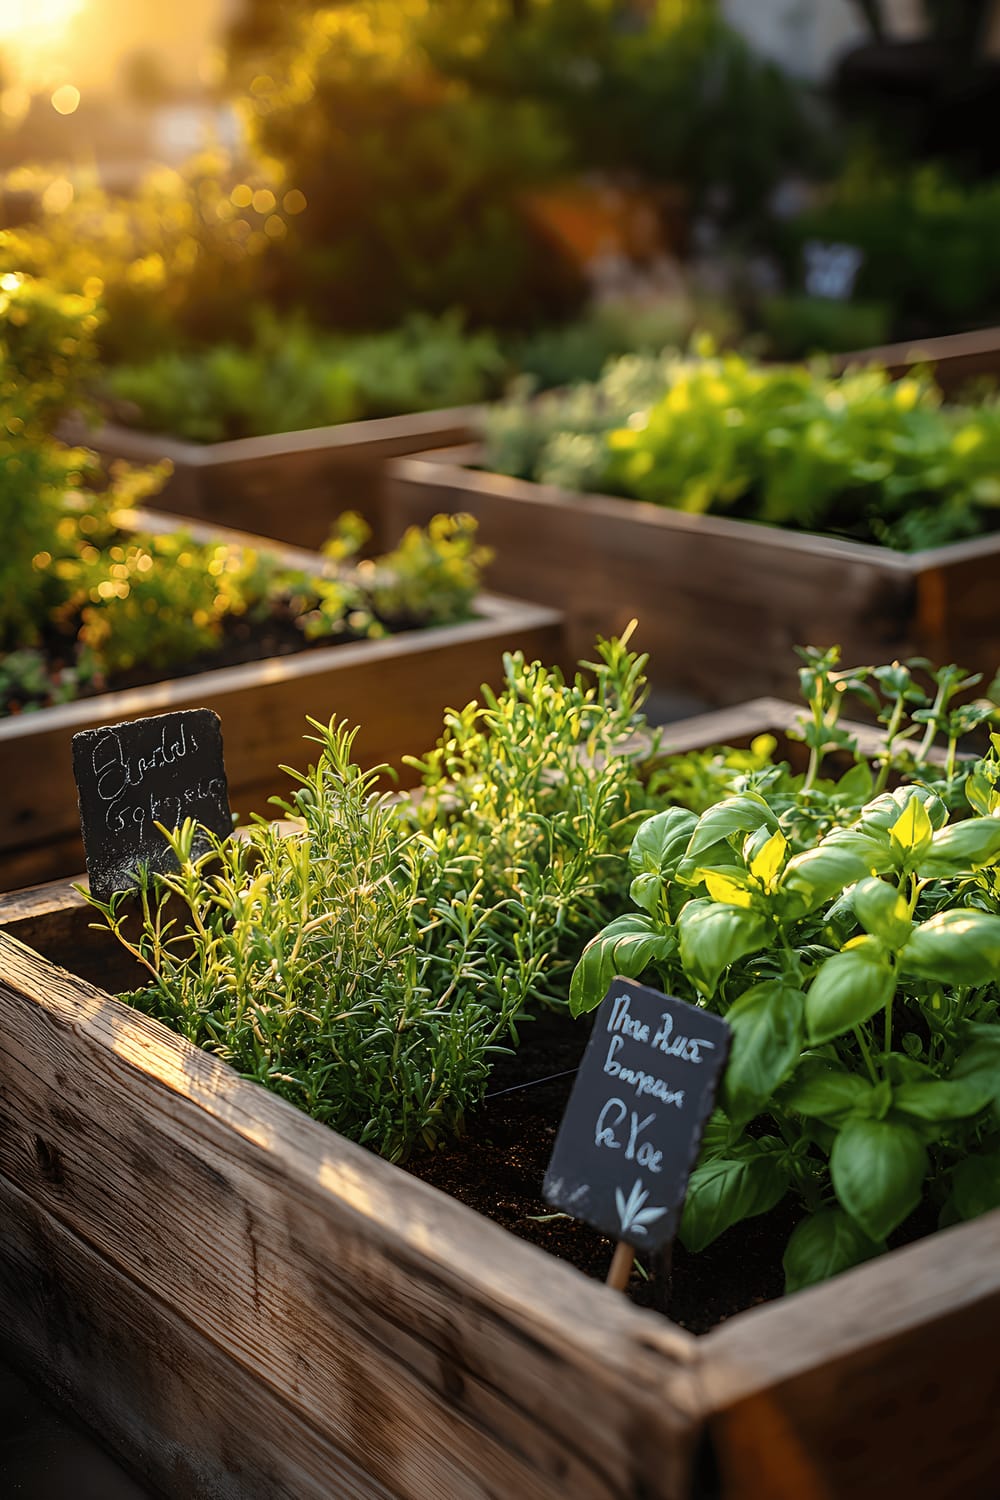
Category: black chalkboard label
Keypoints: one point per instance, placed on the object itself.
(634, 1122)
(129, 777)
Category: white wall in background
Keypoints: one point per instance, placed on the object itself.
(807, 36)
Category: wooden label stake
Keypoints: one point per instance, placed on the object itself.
(621, 1266)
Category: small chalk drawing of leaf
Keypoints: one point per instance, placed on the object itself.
(631, 1214)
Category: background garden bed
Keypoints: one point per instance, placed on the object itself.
(720, 603)
(397, 688)
(240, 1301)
(289, 485)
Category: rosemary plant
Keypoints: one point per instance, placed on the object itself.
(370, 966)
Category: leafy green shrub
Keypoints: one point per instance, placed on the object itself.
(580, 349)
(927, 241)
(857, 455)
(370, 968)
(674, 94)
(181, 261)
(429, 176)
(47, 349)
(799, 326)
(293, 377)
(851, 935)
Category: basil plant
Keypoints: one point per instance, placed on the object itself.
(854, 947)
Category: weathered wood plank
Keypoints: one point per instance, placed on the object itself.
(721, 604)
(957, 358)
(291, 485)
(891, 1371)
(391, 1319)
(183, 1416)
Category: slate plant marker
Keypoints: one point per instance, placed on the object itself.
(632, 1129)
(129, 777)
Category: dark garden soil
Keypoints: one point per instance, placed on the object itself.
(497, 1169)
(242, 640)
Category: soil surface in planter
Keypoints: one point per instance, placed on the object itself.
(242, 640)
(498, 1168)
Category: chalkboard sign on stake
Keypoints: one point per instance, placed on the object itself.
(129, 777)
(632, 1129)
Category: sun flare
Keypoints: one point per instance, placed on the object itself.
(33, 36)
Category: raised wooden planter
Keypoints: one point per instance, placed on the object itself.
(288, 485)
(397, 689)
(957, 358)
(243, 1304)
(721, 604)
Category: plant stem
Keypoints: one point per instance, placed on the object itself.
(872, 1071)
(892, 729)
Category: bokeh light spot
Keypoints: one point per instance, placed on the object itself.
(66, 99)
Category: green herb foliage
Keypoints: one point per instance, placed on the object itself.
(850, 931)
(857, 455)
(292, 377)
(369, 967)
(87, 594)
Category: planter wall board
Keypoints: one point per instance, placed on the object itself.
(397, 689)
(957, 358)
(289, 485)
(721, 604)
(241, 1303)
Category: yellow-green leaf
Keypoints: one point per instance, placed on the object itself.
(723, 887)
(912, 831)
(769, 861)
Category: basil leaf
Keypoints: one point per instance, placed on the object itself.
(823, 1245)
(963, 846)
(733, 815)
(956, 947)
(628, 946)
(878, 1169)
(850, 987)
(975, 1185)
(882, 911)
(766, 1023)
(724, 1191)
(660, 842)
(943, 1098)
(713, 936)
(823, 1091)
(819, 874)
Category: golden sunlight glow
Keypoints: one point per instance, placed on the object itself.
(31, 34)
(48, 43)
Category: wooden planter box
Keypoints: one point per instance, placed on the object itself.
(721, 604)
(288, 485)
(243, 1304)
(397, 689)
(957, 358)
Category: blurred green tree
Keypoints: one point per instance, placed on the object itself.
(413, 180)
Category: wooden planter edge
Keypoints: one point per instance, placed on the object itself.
(454, 469)
(140, 446)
